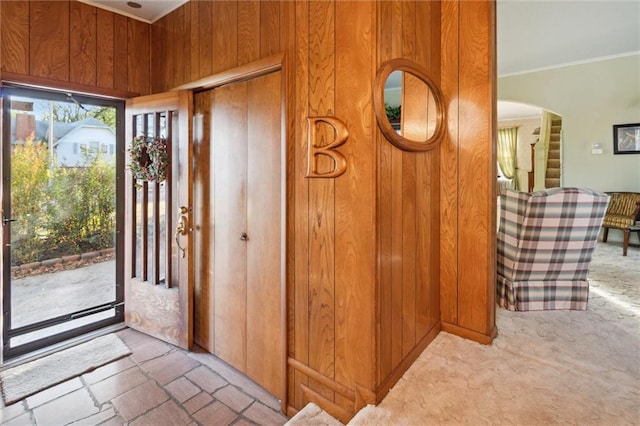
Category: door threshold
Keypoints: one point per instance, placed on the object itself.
(40, 353)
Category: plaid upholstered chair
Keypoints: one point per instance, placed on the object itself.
(545, 243)
(622, 213)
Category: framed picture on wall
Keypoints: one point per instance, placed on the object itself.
(626, 138)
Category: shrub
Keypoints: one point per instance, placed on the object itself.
(70, 210)
(83, 216)
(29, 196)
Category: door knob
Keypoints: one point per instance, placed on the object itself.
(244, 237)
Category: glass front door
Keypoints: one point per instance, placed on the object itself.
(62, 166)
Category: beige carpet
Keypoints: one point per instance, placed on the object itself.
(544, 368)
(26, 379)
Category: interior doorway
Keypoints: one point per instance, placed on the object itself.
(537, 164)
(62, 161)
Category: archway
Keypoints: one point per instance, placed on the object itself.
(539, 146)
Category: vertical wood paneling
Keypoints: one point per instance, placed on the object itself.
(288, 44)
(321, 198)
(169, 55)
(105, 49)
(120, 58)
(194, 29)
(83, 44)
(476, 170)
(158, 64)
(468, 80)
(301, 297)
(205, 38)
(428, 181)
(408, 194)
(417, 203)
(385, 256)
(396, 213)
(269, 24)
(49, 39)
(248, 31)
(225, 43)
(408, 197)
(179, 57)
(14, 30)
(69, 44)
(449, 160)
(355, 193)
(138, 64)
(186, 42)
(173, 48)
(408, 233)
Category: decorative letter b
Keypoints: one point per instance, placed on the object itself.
(341, 135)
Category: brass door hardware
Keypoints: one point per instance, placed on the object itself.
(181, 228)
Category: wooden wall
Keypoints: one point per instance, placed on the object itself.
(203, 38)
(408, 194)
(330, 65)
(333, 356)
(378, 259)
(71, 45)
(468, 170)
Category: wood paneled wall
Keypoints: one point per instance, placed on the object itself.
(468, 170)
(382, 257)
(408, 192)
(71, 45)
(333, 358)
(378, 259)
(330, 247)
(203, 38)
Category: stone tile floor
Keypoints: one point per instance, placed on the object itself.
(158, 384)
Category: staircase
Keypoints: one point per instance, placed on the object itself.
(552, 178)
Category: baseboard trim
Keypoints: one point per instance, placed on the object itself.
(470, 334)
(404, 365)
(327, 405)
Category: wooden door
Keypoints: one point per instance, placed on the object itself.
(240, 227)
(158, 258)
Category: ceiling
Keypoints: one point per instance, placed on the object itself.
(151, 10)
(511, 110)
(534, 35)
(537, 34)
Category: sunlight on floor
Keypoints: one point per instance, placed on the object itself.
(613, 299)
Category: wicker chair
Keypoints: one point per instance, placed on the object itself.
(545, 244)
(623, 212)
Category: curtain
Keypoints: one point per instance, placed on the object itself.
(507, 146)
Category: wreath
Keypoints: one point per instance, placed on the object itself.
(148, 159)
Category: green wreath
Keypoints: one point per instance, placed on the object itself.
(148, 159)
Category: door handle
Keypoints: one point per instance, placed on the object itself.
(181, 229)
(244, 237)
(6, 220)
